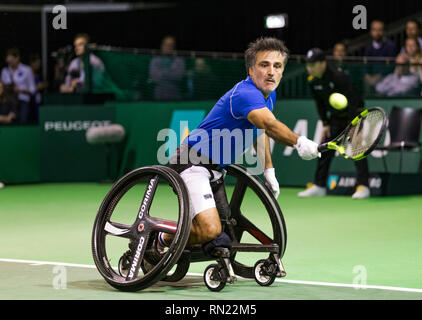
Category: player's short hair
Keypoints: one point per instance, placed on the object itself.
(264, 44)
(13, 52)
(82, 35)
(415, 21)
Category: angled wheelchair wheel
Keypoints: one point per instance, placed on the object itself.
(270, 236)
(134, 211)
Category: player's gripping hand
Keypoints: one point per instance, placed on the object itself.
(307, 149)
(271, 181)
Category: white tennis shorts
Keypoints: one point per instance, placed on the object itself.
(197, 181)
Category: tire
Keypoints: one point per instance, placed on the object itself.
(142, 236)
(214, 285)
(263, 280)
(244, 180)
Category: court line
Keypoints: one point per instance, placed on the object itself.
(312, 283)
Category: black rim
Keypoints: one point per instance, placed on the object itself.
(141, 230)
(245, 180)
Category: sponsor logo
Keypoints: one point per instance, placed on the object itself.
(141, 227)
(146, 199)
(208, 196)
(332, 181)
(136, 257)
(375, 182)
(348, 182)
(182, 123)
(78, 125)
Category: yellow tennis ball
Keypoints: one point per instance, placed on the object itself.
(338, 101)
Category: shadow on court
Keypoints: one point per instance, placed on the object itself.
(159, 287)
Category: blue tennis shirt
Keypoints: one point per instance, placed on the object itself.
(226, 133)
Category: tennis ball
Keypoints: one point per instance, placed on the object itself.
(338, 101)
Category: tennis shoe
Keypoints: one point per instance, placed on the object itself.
(313, 191)
(362, 192)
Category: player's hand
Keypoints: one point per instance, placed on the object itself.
(271, 181)
(307, 149)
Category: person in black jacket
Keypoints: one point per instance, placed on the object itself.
(8, 106)
(325, 80)
(8, 109)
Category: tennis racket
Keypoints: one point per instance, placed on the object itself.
(361, 136)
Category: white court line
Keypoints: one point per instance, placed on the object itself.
(311, 283)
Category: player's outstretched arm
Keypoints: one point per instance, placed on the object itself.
(264, 119)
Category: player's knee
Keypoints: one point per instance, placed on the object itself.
(210, 231)
(222, 241)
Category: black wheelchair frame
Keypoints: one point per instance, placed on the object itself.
(141, 234)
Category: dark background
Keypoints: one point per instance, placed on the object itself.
(225, 26)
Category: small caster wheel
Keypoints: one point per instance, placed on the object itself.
(124, 264)
(263, 273)
(212, 277)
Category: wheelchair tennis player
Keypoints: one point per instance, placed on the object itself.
(248, 105)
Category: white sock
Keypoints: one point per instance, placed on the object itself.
(161, 240)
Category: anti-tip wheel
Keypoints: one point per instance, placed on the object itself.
(263, 274)
(211, 272)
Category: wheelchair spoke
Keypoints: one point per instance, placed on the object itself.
(138, 256)
(237, 196)
(163, 225)
(147, 199)
(248, 226)
(118, 229)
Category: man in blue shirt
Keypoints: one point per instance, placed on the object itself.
(380, 46)
(227, 131)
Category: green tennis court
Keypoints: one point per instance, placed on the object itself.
(337, 248)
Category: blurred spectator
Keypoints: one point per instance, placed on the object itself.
(35, 64)
(401, 82)
(339, 51)
(166, 72)
(21, 79)
(414, 55)
(202, 81)
(380, 46)
(413, 30)
(63, 57)
(75, 78)
(8, 106)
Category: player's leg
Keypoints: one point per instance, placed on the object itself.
(362, 172)
(318, 189)
(206, 224)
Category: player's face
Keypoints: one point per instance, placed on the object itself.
(316, 69)
(411, 47)
(79, 45)
(377, 30)
(267, 71)
(339, 51)
(12, 61)
(412, 30)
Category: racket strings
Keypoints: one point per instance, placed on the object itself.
(364, 134)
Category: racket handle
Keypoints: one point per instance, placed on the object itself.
(323, 147)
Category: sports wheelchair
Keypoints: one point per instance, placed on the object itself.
(142, 265)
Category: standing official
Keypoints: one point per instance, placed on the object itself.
(324, 81)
